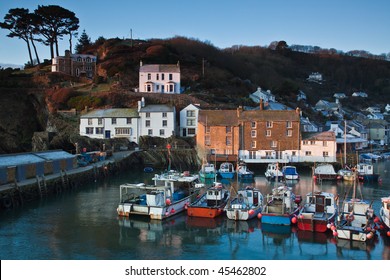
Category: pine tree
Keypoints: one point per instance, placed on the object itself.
(83, 43)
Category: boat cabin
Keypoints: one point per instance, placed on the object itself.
(216, 195)
(323, 203)
(364, 168)
(248, 196)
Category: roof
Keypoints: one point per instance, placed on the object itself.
(218, 117)
(321, 136)
(29, 158)
(270, 115)
(157, 108)
(112, 113)
(171, 68)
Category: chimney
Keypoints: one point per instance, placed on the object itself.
(239, 110)
(140, 63)
(298, 111)
(261, 104)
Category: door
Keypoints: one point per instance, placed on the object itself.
(320, 204)
(107, 134)
(255, 198)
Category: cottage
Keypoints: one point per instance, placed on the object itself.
(318, 147)
(159, 78)
(260, 94)
(111, 123)
(189, 120)
(75, 65)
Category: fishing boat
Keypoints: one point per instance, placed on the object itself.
(207, 172)
(281, 207)
(290, 172)
(273, 172)
(318, 213)
(247, 204)
(243, 172)
(346, 174)
(366, 172)
(157, 202)
(384, 214)
(325, 171)
(226, 170)
(211, 203)
(356, 221)
(177, 178)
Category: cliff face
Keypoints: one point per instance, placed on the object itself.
(22, 113)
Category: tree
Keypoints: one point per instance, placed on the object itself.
(54, 23)
(19, 22)
(83, 43)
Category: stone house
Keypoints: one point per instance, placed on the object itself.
(76, 65)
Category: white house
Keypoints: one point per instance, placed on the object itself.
(260, 94)
(157, 120)
(110, 123)
(189, 121)
(315, 77)
(360, 94)
(159, 78)
(319, 147)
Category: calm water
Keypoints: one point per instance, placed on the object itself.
(83, 224)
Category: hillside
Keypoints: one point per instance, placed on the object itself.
(210, 76)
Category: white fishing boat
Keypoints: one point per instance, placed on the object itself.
(384, 214)
(247, 204)
(273, 172)
(156, 201)
(243, 172)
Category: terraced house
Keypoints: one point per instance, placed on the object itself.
(159, 78)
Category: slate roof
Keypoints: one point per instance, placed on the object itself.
(271, 115)
(167, 68)
(321, 136)
(112, 113)
(157, 108)
(218, 117)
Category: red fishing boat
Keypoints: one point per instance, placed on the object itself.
(211, 203)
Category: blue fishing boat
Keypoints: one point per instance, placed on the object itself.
(226, 170)
(281, 207)
(290, 172)
(243, 172)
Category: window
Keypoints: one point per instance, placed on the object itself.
(268, 154)
(191, 122)
(149, 76)
(165, 114)
(289, 124)
(128, 120)
(294, 153)
(308, 153)
(305, 142)
(170, 88)
(228, 140)
(79, 59)
(191, 131)
(190, 113)
(162, 132)
(170, 77)
(325, 154)
(207, 140)
(253, 124)
(162, 76)
(122, 131)
(274, 144)
(228, 129)
(88, 59)
(99, 130)
(148, 88)
(100, 121)
(148, 115)
(113, 121)
(89, 121)
(253, 133)
(269, 124)
(150, 132)
(253, 144)
(147, 123)
(325, 143)
(268, 133)
(289, 133)
(157, 76)
(207, 129)
(89, 130)
(157, 87)
(164, 123)
(312, 142)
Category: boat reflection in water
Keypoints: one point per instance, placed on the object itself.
(277, 241)
(314, 245)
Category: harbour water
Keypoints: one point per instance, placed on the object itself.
(83, 225)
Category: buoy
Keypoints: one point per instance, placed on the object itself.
(294, 220)
(251, 212)
(168, 201)
(186, 205)
(333, 228)
(167, 213)
(259, 216)
(368, 228)
(335, 233)
(301, 216)
(376, 220)
(388, 233)
(328, 226)
(173, 211)
(370, 235)
(314, 177)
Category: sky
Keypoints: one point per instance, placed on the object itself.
(341, 24)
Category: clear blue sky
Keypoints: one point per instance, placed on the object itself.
(341, 24)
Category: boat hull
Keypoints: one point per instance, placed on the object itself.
(226, 175)
(242, 214)
(352, 233)
(368, 177)
(308, 222)
(204, 212)
(276, 219)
